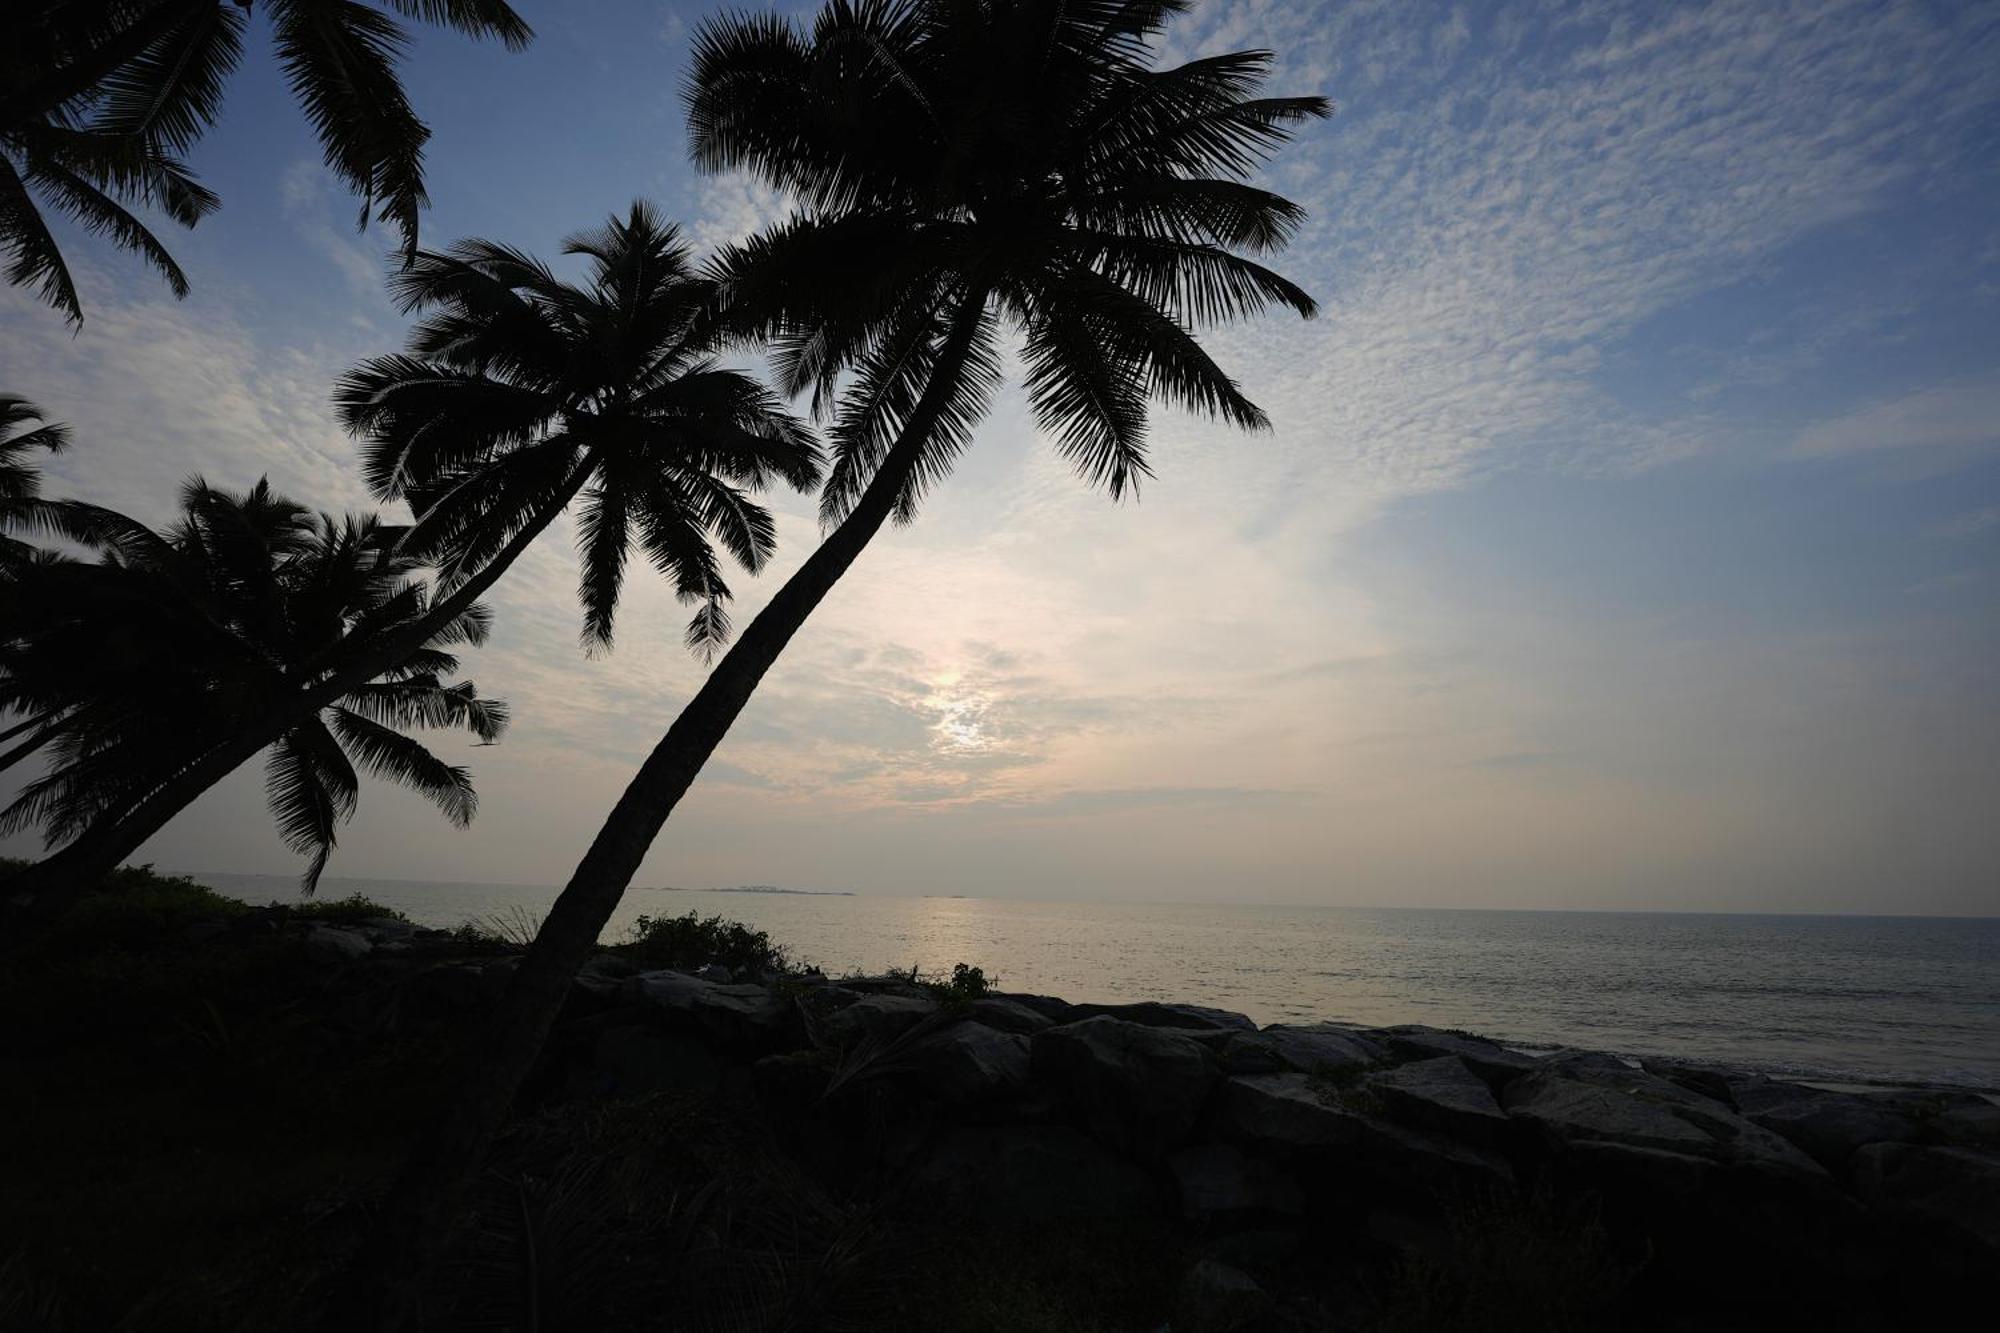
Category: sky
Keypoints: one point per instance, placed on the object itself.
(1628, 537)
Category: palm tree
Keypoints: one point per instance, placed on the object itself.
(120, 660)
(99, 99)
(962, 164)
(518, 393)
(21, 504)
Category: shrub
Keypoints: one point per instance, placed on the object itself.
(352, 910)
(967, 983)
(691, 940)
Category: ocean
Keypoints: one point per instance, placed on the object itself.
(1838, 998)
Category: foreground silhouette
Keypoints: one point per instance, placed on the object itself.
(100, 100)
(119, 665)
(519, 393)
(963, 168)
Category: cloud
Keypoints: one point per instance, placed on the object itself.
(1950, 417)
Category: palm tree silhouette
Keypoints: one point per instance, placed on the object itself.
(960, 166)
(24, 429)
(518, 393)
(100, 99)
(119, 661)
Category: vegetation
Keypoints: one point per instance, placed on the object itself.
(101, 99)
(124, 667)
(692, 940)
(961, 169)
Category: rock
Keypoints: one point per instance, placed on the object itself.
(1442, 1095)
(730, 1016)
(1574, 1101)
(714, 972)
(1213, 1297)
(1140, 1089)
(1034, 1174)
(876, 1017)
(201, 932)
(1710, 1083)
(1829, 1126)
(1308, 1050)
(336, 944)
(1290, 1115)
(1048, 1006)
(1957, 1187)
(1947, 1115)
(1651, 1171)
(1491, 1061)
(1008, 1015)
(1218, 1184)
(1153, 1014)
(632, 1060)
(969, 1063)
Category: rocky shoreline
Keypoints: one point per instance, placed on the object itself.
(1295, 1160)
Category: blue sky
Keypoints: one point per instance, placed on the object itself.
(1629, 535)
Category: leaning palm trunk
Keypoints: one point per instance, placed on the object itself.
(58, 879)
(417, 1216)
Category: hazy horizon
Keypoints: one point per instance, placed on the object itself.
(1628, 539)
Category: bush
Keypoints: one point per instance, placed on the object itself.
(692, 940)
(134, 908)
(966, 984)
(352, 910)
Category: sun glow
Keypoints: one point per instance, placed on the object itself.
(959, 712)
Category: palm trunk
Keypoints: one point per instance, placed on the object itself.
(60, 878)
(418, 1214)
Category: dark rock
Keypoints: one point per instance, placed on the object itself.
(1009, 1015)
(714, 972)
(1653, 1172)
(970, 1063)
(634, 1060)
(336, 944)
(1214, 1297)
(1443, 1095)
(1048, 1006)
(1830, 1126)
(201, 932)
(1219, 1185)
(1293, 1116)
(1490, 1060)
(1958, 1187)
(1034, 1174)
(1575, 1101)
(1710, 1083)
(748, 1017)
(1949, 1116)
(1307, 1050)
(1153, 1014)
(1139, 1089)
(876, 1018)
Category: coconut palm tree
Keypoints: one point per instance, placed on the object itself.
(100, 99)
(23, 430)
(963, 166)
(518, 393)
(120, 661)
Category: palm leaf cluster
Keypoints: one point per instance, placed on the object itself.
(24, 432)
(118, 667)
(520, 391)
(100, 100)
(964, 165)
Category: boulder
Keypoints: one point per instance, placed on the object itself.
(1005, 1014)
(634, 1060)
(1214, 1297)
(1574, 1101)
(1950, 1116)
(1828, 1125)
(1956, 1187)
(748, 1017)
(1490, 1060)
(1154, 1014)
(714, 972)
(1318, 1049)
(1138, 1089)
(1033, 1174)
(1219, 1185)
(1442, 1095)
(1710, 1083)
(969, 1063)
(876, 1018)
(336, 944)
(1294, 1116)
